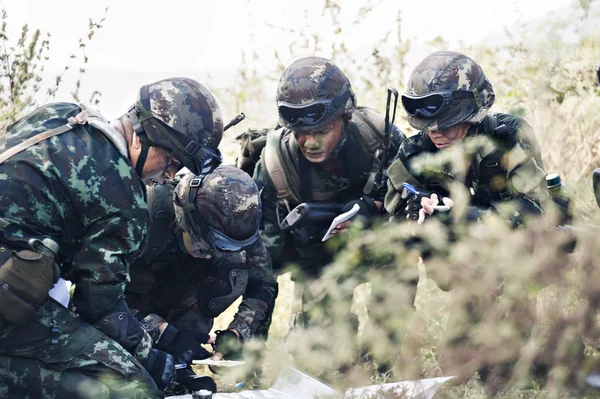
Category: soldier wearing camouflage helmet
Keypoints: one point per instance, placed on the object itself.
(447, 99)
(203, 251)
(72, 206)
(323, 151)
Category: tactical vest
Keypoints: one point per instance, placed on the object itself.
(281, 159)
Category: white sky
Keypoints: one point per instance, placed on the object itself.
(143, 41)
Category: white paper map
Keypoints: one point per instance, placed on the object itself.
(220, 363)
(292, 383)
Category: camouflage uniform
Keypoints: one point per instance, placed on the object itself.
(190, 292)
(75, 188)
(79, 189)
(498, 160)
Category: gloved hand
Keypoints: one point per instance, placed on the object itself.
(161, 367)
(229, 345)
(366, 204)
(413, 202)
(177, 341)
(193, 382)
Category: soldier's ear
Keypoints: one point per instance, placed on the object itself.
(136, 142)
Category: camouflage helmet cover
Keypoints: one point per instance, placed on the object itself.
(182, 116)
(450, 71)
(312, 79)
(228, 200)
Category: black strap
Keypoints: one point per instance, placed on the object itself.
(139, 165)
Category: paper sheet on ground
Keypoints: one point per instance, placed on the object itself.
(292, 383)
(341, 218)
(220, 363)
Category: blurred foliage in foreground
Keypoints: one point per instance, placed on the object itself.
(517, 308)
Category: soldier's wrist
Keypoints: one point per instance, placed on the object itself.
(142, 350)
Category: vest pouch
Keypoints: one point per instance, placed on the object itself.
(25, 279)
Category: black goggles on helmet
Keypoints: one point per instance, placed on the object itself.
(313, 113)
(215, 240)
(432, 105)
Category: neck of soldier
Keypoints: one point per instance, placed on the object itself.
(123, 126)
(332, 164)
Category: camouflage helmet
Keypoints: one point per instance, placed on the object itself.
(181, 116)
(311, 93)
(222, 209)
(445, 89)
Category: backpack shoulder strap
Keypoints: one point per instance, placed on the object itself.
(371, 127)
(33, 140)
(93, 118)
(278, 170)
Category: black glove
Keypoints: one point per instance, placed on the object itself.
(368, 208)
(229, 345)
(121, 326)
(413, 203)
(193, 382)
(161, 367)
(177, 341)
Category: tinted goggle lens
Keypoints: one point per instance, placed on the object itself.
(427, 106)
(222, 243)
(309, 115)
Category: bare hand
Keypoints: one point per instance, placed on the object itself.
(428, 204)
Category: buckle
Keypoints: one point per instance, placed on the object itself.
(196, 182)
(192, 147)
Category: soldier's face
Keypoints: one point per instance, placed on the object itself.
(449, 137)
(159, 167)
(193, 247)
(318, 145)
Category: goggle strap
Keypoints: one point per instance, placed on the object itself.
(475, 92)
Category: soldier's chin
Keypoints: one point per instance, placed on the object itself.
(315, 158)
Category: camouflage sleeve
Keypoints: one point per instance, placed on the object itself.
(271, 234)
(254, 313)
(400, 172)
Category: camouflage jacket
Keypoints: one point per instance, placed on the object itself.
(499, 161)
(78, 189)
(309, 252)
(177, 286)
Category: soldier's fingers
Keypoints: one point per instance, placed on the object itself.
(217, 356)
(422, 215)
(448, 202)
(212, 340)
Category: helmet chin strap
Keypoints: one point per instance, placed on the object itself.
(141, 161)
(138, 129)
